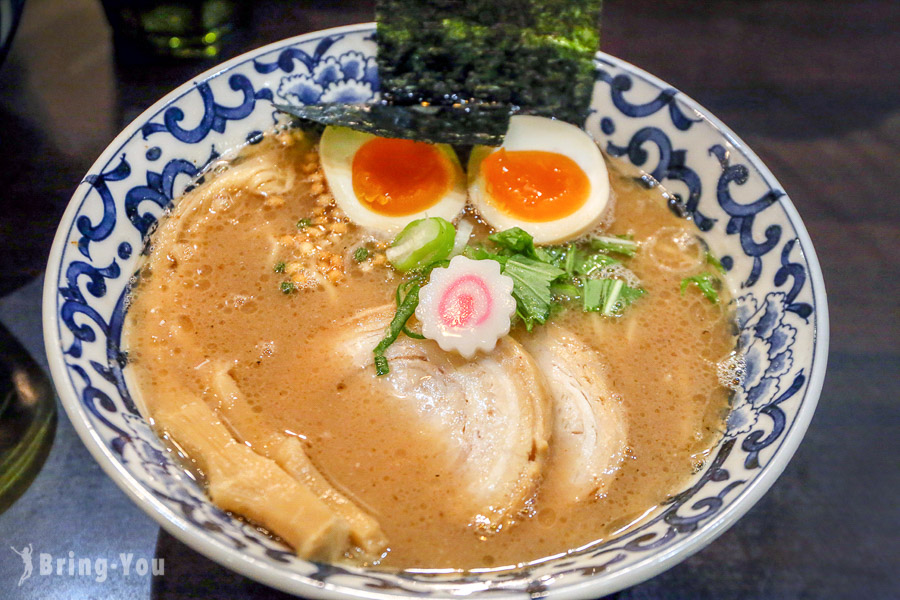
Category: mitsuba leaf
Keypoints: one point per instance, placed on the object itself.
(707, 283)
(516, 240)
(531, 287)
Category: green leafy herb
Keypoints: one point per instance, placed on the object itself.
(567, 291)
(531, 287)
(707, 283)
(287, 287)
(554, 255)
(571, 260)
(303, 223)
(593, 294)
(518, 241)
(421, 244)
(712, 260)
(515, 240)
(532, 276)
(630, 294)
(479, 252)
(546, 276)
(360, 254)
(592, 263)
(405, 310)
(617, 244)
(279, 267)
(608, 296)
(543, 277)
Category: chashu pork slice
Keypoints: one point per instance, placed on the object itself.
(491, 411)
(589, 429)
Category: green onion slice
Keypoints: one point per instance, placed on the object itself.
(361, 254)
(421, 243)
(405, 310)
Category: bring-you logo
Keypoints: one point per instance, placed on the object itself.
(96, 568)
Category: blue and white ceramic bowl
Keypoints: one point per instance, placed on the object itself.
(734, 200)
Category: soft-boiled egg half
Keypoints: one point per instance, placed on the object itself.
(384, 183)
(548, 178)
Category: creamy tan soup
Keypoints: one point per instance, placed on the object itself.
(209, 300)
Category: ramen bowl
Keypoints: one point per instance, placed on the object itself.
(732, 198)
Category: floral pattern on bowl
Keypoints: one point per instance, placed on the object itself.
(349, 78)
(745, 216)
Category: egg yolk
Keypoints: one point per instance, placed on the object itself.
(400, 177)
(534, 185)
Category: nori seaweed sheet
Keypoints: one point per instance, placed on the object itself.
(454, 71)
(533, 54)
(485, 124)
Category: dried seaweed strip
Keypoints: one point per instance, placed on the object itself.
(482, 124)
(454, 72)
(533, 54)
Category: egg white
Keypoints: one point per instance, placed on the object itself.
(337, 148)
(548, 135)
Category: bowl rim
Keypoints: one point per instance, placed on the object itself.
(296, 583)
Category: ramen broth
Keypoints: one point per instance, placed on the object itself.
(209, 294)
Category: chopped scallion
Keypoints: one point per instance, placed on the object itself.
(279, 267)
(400, 294)
(412, 334)
(464, 229)
(421, 243)
(405, 310)
(303, 223)
(360, 254)
(381, 365)
(287, 287)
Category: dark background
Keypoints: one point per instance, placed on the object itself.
(813, 87)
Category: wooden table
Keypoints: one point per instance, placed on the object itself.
(811, 86)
